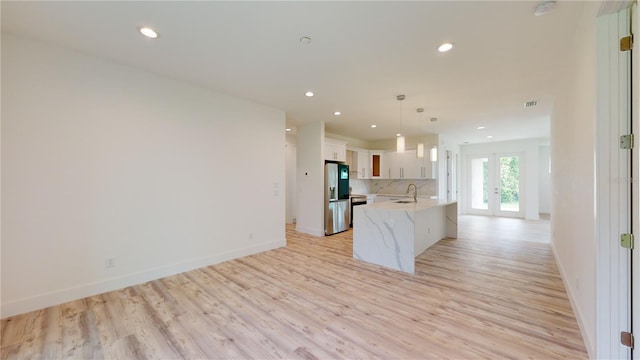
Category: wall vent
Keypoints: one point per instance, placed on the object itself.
(529, 104)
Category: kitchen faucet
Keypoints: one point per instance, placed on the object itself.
(415, 192)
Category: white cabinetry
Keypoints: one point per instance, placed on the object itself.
(426, 169)
(364, 164)
(370, 164)
(401, 165)
(335, 150)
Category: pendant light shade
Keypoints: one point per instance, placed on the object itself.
(420, 150)
(400, 137)
(433, 153)
(400, 144)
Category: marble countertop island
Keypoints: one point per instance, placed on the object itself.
(393, 233)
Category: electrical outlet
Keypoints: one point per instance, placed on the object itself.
(109, 263)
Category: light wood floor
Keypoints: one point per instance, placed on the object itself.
(493, 293)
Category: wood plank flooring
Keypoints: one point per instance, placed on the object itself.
(493, 293)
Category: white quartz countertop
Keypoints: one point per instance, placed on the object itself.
(395, 195)
(422, 204)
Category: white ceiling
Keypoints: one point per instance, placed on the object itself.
(361, 56)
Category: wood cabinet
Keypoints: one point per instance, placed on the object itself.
(377, 162)
(335, 150)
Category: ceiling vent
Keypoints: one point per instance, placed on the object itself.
(529, 104)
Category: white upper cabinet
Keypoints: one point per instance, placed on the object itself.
(425, 168)
(364, 164)
(335, 150)
(401, 165)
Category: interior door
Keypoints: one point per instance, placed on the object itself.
(635, 187)
(496, 185)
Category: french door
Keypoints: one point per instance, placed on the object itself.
(496, 185)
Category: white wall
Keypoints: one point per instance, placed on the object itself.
(310, 177)
(529, 176)
(100, 160)
(572, 176)
(544, 180)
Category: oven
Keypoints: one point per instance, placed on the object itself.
(355, 201)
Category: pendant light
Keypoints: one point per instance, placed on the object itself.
(420, 148)
(434, 150)
(400, 137)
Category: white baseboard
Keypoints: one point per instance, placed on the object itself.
(314, 232)
(61, 296)
(588, 343)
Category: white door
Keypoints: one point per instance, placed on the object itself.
(616, 191)
(496, 185)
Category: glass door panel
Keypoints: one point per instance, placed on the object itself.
(480, 183)
(510, 183)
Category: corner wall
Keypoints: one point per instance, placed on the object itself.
(310, 178)
(103, 161)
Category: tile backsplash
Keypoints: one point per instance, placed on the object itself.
(386, 186)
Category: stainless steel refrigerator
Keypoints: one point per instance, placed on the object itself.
(336, 198)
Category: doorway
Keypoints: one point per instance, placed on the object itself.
(496, 185)
(452, 176)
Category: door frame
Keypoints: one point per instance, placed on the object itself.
(614, 200)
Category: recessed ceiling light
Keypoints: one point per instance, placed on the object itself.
(287, 129)
(480, 128)
(305, 40)
(445, 47)
(309, 93)
(398, 134)
(337, 113)
(490, 137)
(148, 32)
(544, 8)
(374, 126)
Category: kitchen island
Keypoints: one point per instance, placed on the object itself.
(393, 233)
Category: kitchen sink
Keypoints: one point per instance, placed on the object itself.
(404, 202)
